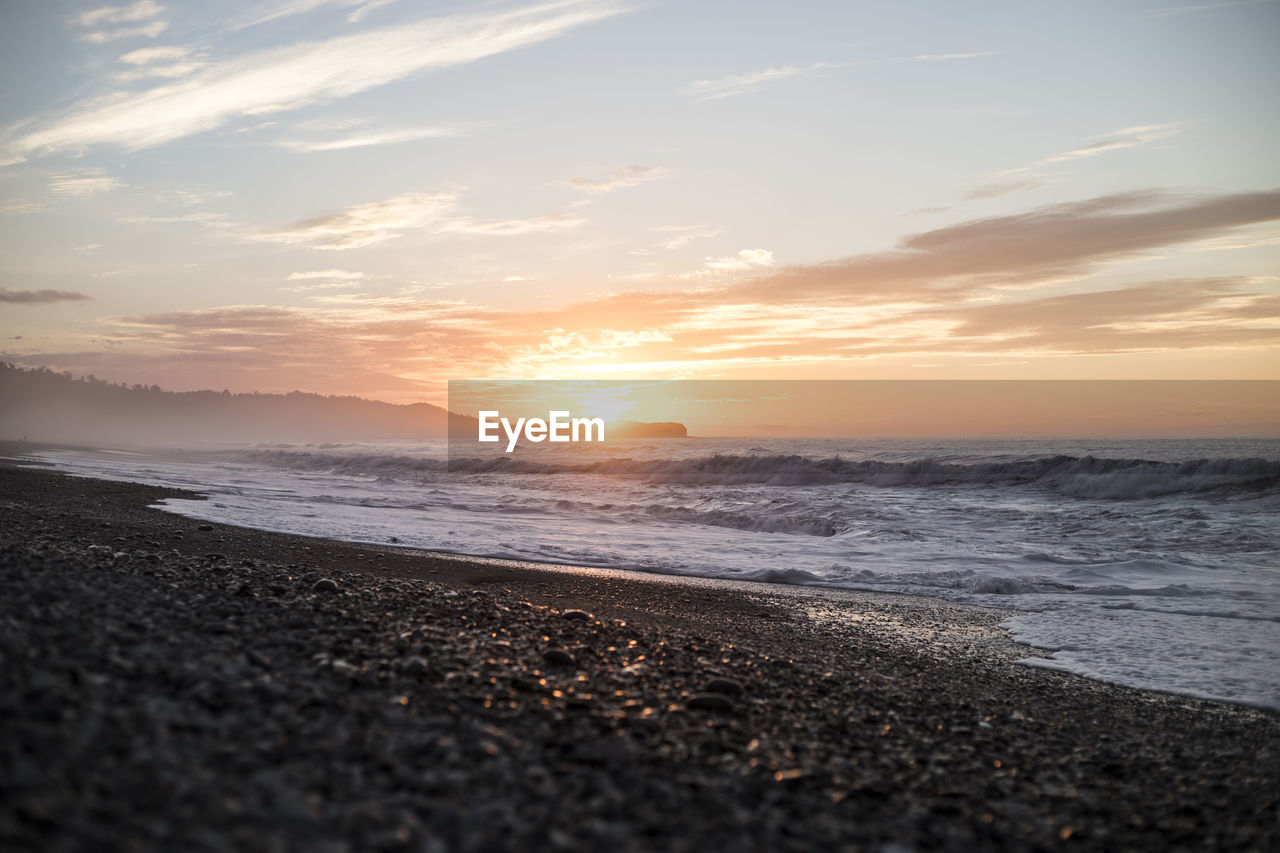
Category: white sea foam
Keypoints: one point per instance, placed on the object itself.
(1154, 564)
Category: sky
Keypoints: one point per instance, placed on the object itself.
(373, 197)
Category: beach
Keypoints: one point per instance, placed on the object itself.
(174, 684)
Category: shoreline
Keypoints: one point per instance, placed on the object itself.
(461, 568)
(462, 565)
(848, 718)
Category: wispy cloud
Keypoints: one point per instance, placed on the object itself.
(150, 30)
(19, 205)
(129, 16)
(143, 10)
(513, 227)
(683, 235)
(376, 222)
(40, 297)
(947, 57)
(331, 275)
(187, 196)
(1032, 177)
(359, 9)
(744, 260)
(366, 224)
(1244, 238)
(164, 63)
(82, 182)
(172, 71)
(282, 79)
(1129, 137)
(321, 281)
(740, 84)
(320, 286)
(998, 189)
(367, 138)
(362, 9)
(87, 248)
(206, 218)
(718, 269)
(147, 55)
(624, 176)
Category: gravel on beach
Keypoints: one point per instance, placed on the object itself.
(172, 684)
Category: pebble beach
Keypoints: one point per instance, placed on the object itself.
(175, 685)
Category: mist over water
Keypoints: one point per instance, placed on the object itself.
(1151, 563)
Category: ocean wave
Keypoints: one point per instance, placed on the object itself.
(756, 522)
(1082, 477)
(1085, 477)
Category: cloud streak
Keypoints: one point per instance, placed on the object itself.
(82, 182)
(143, 10)
(513, 227)
(998, 189)
(624, 176)
(683, 235)
(19, 205)
(330, 275)
(1043, 245)
(1028, 179)
(359, 9)
(366, 224)
(129, 16)
(948, 57)
(150, 30)
(40, 297)
(283, 79)
(741, 84)
(1129, 137)
(375, 222)
(147, 55)
(369, 138)
(744, 260)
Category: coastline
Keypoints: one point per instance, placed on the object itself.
(845, 719)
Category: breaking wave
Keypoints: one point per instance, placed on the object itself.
(1086, 477)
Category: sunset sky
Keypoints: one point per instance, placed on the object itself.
(374, 196)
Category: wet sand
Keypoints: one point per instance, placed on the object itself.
(170, 684)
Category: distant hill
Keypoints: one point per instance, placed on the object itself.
(638, 429)
(47, 406)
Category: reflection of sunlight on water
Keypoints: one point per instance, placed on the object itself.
(917, 623)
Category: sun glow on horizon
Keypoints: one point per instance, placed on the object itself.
(376, 203)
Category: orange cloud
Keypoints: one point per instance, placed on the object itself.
(961, 291)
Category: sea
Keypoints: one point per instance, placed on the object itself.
(1151, 563)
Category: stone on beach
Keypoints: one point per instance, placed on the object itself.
(710, 702)
(727, 686)
(558, 657)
